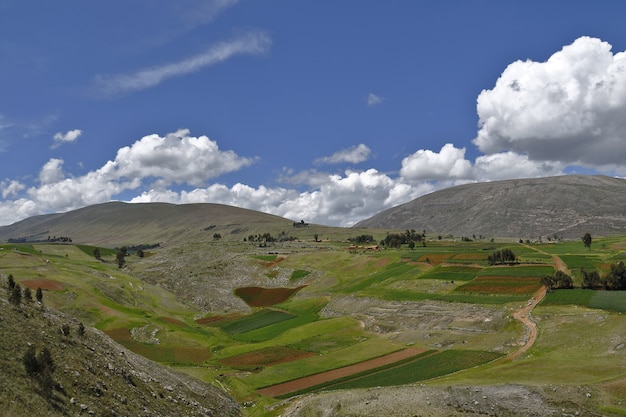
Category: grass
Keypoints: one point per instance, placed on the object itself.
(419, 368)
(254, 321)
(609, 300)
(298, 274)
(567, 297)
(604, 300)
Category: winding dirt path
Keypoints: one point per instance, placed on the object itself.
(524, 315)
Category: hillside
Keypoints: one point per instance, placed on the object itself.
(566, 206)
(93, 375)
(118, 223)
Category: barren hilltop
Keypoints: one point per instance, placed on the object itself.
(567, 206)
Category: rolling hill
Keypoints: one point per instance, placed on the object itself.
(566, 206)
(118, 223)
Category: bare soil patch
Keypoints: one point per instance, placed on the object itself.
(265, 297)
(312, 380)
(44, 284)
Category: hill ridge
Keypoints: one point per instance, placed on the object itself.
(566, 206)
(120, 223)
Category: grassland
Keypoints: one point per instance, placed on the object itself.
(291, 326)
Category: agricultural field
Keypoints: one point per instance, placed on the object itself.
(251, 319)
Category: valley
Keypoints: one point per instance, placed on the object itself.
(246, 317)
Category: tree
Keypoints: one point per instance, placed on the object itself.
(39, 294)
(616, 278)
(587, 240)
(15, 296)
(27, 294)
(591, 280)
(11, 281)
(560, 280)
(30, 361)
(140, 253)
(120, 256)
(81, 329)
(500, 257)
(96, 254)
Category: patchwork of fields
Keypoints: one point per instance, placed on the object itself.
(316, 312)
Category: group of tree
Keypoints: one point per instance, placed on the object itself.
(560, 280)
(502, 257)
(615, 279)
(410, 237)
(17, 294)
(265, 238)
(361, 239)
(64, 239)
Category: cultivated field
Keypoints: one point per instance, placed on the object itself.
(300, 317)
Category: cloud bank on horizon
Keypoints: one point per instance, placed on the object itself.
(540, 119)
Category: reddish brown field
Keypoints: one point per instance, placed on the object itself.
(435, 258)
(44, 284)
(215, 319)
(502, 285)
(173, 321)
(312, 380)
(265, 297)
(267, 357)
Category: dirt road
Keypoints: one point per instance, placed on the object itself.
(524, 314)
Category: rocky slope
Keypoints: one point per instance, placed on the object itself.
(93, 375)
(566, 206)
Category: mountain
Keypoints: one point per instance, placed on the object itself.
(567, 206)
(118, 223)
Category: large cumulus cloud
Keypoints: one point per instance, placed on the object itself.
(570, 108)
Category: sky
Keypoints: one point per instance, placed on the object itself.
(318, 110)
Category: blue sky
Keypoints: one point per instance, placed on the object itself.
(326, 111)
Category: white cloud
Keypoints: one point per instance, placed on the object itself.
(176, 158)
(353, 155)
(51, 172)
(11, 188)
(373, 99)
(67, 137)
(510, 165)
(251, 43)
(449, 163)
(570, 108)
